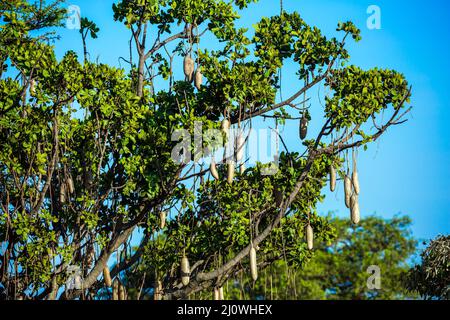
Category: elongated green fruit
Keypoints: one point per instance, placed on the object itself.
(185, 271)
(347, 190)
(213, 169)
(310, 237)
(354, 209)
(253, 264)
(332, 178)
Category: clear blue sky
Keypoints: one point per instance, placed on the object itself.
(408, 171)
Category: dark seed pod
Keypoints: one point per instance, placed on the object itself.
(303, 127)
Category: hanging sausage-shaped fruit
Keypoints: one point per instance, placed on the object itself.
(185, 271)
(354, 209)
(198, 79)
(309, 237)
(221, 296)
(304, 122)
(63, 193)
(71, 185)
(347, 190)
(225, 126)
(253, 263)
(213, 169)
(230, 171)
(162, 219)
(188, 67)
(332, 178)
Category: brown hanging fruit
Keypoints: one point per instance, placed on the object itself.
(230, 174)
(354, 209)
(122, 292)
(332, 178)
(347, 190)
(115, 291)
(310, 237)
(107, 277)
(185, 271)
(253, 263)
(162, 219)
(62, 193)
(188, 68)
(71, 185)
(213, 169)
(303, 127)
(198, 79)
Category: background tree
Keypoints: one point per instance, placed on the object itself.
(336, 271)
(86, 151)
(431, 278)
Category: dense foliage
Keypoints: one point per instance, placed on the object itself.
(431, 278)
(86, 149)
